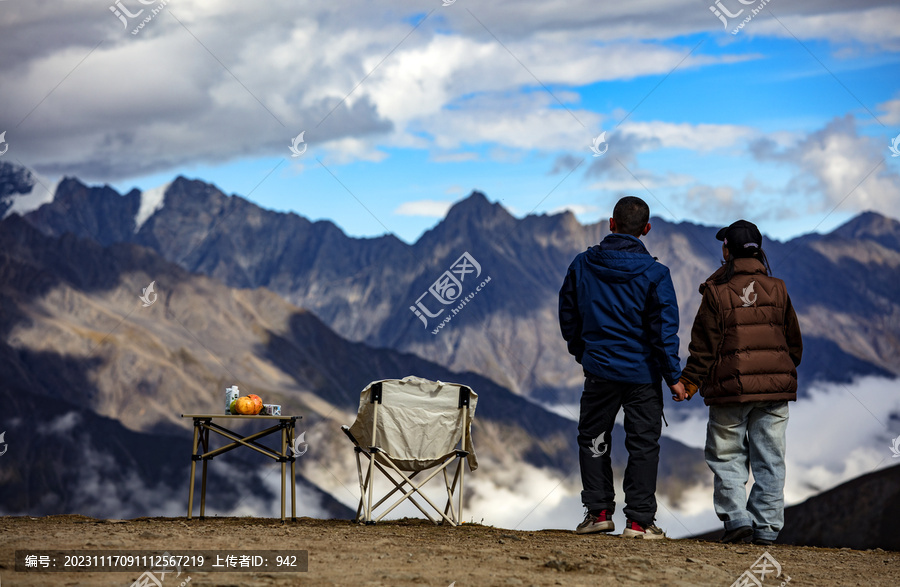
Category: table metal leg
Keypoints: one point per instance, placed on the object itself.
(293, 479)
(205, 437)
(201, 438)
(193, 469)
(283, 453)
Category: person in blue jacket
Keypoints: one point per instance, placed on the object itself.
(619, 316)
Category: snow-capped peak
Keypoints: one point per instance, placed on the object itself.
(41, 192)
(151, 202)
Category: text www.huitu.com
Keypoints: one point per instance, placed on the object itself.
(462, 304)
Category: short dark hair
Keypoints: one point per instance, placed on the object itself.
(631, 215)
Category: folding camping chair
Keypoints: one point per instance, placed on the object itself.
(409, 426)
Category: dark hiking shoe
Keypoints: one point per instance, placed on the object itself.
(635, 530)
(599, 522)
(736, 535)
(763, 541)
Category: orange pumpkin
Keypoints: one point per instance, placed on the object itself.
(245, 406)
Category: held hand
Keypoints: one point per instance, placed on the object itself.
(689, 387)
(678, 392)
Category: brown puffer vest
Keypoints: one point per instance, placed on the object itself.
(754, 363)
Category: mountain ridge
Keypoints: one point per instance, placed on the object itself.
(368, 290)
(75, 335)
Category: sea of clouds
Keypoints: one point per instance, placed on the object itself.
(837, 433)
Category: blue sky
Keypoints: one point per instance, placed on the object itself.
(408, 107)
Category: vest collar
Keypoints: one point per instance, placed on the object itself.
(749, 266)
(742, 266)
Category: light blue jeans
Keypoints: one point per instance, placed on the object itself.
(741, 437)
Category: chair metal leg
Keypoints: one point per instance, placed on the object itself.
(372, 457)
(371, 478)
(362, 487)
(399, 487)
(416, 488)
(193, 469)
(449, 487)
(462, 472)
(406, 495)
(462, 468)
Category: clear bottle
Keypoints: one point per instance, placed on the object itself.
(231, 394)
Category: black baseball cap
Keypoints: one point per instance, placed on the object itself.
(740, 236)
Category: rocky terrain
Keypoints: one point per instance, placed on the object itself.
(415, 552)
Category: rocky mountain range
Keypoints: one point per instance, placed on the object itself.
(95, 382)
(386, 293)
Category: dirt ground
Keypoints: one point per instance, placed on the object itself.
(415, 552)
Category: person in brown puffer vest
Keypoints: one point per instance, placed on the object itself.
(744, 351)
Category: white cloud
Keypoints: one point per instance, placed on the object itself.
(168, 101)
(890, 112)
(454, 157)
(42, 192)
(526, 122)
(835, 434)
(696, 137)
(60, 425)
(873, 27)
(841, 165)
(426, 208)
(626, 183)
(576, 209)
(449, 88)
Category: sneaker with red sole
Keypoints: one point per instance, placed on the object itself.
(599, 522)
(635, 530)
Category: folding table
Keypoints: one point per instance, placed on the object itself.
(203, 424)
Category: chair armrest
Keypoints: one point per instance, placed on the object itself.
(346, 430)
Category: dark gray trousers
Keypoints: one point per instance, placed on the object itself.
(600, 403)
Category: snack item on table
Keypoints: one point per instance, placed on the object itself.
(231, 394)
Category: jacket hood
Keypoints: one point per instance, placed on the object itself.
(619, 258)
(742, 266)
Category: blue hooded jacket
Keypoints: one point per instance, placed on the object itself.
(619, 315)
